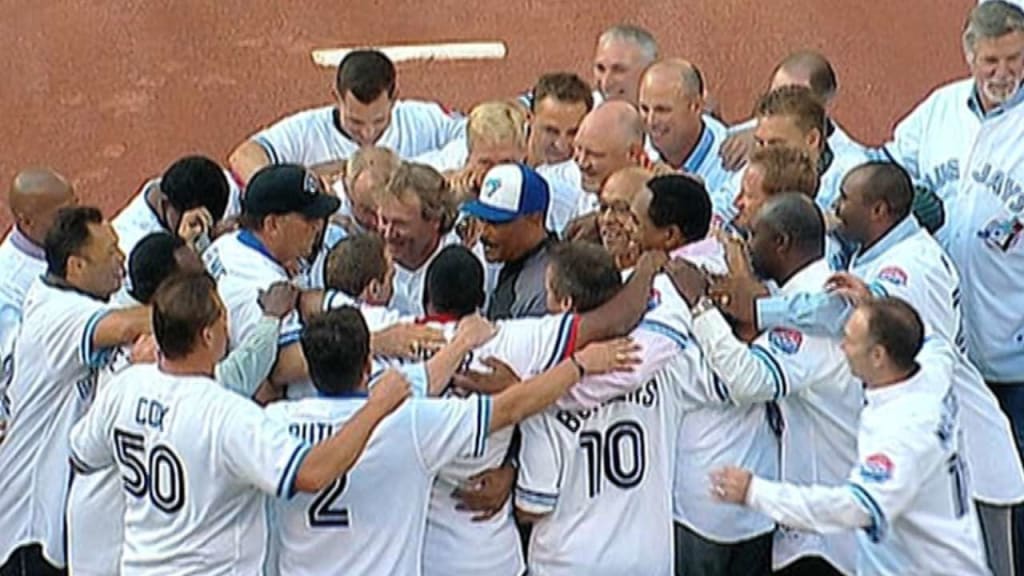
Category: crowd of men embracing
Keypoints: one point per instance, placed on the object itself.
(584, 330)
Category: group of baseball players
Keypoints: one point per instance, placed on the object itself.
(588, 329)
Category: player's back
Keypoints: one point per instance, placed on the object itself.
(193, 457)
(604, 483)
(373, 519)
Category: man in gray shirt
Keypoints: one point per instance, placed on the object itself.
(512, 206)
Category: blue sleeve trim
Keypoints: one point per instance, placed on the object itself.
(543, 499)
(289, 338)
(778, 376)
(286, 486)
(878, 290)
(681, 340)
(877, 530)
(483, 425)
(262, 142)
(89, 356)
(564, 335)
(721, 390)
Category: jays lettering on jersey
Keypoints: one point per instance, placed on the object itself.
(354, 523)
(314, 136)
(195, 460)
(986, 246)
(817, 398)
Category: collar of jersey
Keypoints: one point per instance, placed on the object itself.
(880, 396)
(796, 281)
(700, 151)
(26, 246)
(974, 103)
(900, 232)
(61, 284)
(247, 238)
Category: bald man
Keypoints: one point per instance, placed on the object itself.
(801, 68)
(682, 136)
(615, 221)
(610, 138)
(34, 198)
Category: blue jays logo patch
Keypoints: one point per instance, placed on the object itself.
(786, 340)
(893, 275)
(490, 187)
(876, 468)
(1002, 234)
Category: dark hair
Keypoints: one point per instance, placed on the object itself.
(151, 262)
(797, 102)
(894, 325)
(195, 181)
(336, 345)
(887, 182)
(585, 272)
(564, 87)
(455, 282)
(68, 235)
(820, 74)
(354, 262)
(680, 201)
(366, 74)
(183, 306)
(796, 216)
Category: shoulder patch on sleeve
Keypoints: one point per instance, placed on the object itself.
(786, 340)
(893, 275)
(876, 468)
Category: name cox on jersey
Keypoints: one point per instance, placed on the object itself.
(646, 396)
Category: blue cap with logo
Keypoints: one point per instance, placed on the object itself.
(508, 192)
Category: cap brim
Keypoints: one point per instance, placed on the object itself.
(487, 213)
(323, 206)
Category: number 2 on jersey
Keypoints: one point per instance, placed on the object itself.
(619, 453)
(322, 512)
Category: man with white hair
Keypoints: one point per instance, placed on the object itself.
(623, 52)
(934, 140)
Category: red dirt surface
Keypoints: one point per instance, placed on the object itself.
(110, 92)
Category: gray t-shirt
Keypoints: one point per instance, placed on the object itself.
(520, 289)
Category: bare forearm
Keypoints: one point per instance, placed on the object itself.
(122, 327)
(443, 365)
(619, 315)
(290, 367)
(531, 396)
(247, 159)
(336, 456)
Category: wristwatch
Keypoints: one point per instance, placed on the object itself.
(703, 305)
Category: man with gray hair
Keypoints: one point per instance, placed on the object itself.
(623, 52)
(933, 142)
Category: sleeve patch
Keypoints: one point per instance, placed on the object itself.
(893, 275)
(876, 468)
(786, 340)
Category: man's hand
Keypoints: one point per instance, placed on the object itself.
(735, 149)
(583, 228)
(618, 355)
(389, 392)
(144, 350)
(730, 484)
(850, 287)
(279, 300)
(652, 261)
(499, 378)
(465, 184)
(486, 492)
(195, 223)
(474, 330)
(736, 293)
(410, 341)
(690, 281)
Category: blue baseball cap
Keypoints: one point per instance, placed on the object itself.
(509, 191)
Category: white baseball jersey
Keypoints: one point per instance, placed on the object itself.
(908, 263)
(987, 222)
(54, 375)
(355, 525)
(909, 489)
(704, 160)
(194, 460)
(713, 433)
(314, 136)
(603, 477)
(23, 262)
(408, 284)
(137, 219)
(313, 276)
(819, 401)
